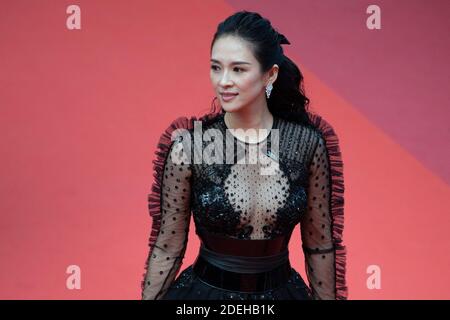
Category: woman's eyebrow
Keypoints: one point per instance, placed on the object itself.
(233, 63)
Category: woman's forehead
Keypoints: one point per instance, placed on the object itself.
(230, 50)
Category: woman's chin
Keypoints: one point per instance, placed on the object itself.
(230, 107)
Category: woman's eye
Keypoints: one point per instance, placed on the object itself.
(239, 70)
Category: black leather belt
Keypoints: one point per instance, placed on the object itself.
(243, 265)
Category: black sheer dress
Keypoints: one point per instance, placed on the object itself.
(246, 198)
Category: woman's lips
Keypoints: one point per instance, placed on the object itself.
(228, 96)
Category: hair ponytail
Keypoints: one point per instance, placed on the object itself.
(287, 99)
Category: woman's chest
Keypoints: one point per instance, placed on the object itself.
(248, 200)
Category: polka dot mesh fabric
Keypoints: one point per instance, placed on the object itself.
(316, 228)
(237, 200)
(166, 258)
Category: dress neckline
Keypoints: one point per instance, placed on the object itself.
(274, 126)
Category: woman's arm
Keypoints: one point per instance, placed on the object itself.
(167, 252)
(316, 228)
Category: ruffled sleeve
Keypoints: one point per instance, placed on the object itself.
(322, 224)
(168, 252)
(169, 206)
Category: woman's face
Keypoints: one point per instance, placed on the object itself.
(235, 70)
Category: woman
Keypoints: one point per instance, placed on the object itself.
(244, 211)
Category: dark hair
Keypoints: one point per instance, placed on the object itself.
(287, 99)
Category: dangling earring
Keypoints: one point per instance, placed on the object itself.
(268, 90)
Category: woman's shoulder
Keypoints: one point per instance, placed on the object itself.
(318, 129)
(295, 132)
(300, 141)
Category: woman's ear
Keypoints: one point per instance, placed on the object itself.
(272, 74)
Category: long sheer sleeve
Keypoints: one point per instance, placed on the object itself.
(316, 228)
(171, 223)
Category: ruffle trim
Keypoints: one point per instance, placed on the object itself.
(154, 197)
(337, 201)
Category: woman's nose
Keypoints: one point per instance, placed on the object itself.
(225, 79)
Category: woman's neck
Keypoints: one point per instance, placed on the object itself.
(244, 120)
(258, 120)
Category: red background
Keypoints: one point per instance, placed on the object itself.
(82, 111)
